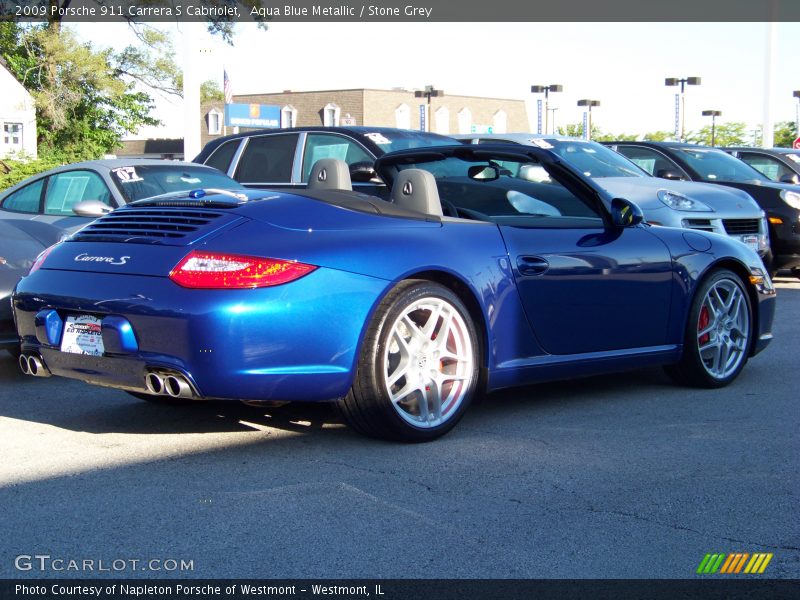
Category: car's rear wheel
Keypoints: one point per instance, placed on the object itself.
(718, 332)
(418, 367)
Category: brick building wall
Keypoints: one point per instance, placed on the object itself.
(388, 108)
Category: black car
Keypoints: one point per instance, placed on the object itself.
(779, 164)
(282, 158)
(780, 201)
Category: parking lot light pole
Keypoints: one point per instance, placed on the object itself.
(429, 92)
(546, 89)
(713, 114)
(671, 81)
(553, 110)
(589, 104)
(796, 94)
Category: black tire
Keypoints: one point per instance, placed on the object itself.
(729, 341)
(369, 408)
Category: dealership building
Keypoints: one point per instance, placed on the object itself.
(445, 114)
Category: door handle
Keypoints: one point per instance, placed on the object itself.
(532, 265)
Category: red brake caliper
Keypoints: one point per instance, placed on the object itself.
(702, 323)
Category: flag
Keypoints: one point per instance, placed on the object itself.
(227, 87)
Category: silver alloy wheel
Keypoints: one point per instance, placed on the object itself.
(429, 362)
(723, 329)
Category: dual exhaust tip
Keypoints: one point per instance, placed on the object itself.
(162, 384)
(32, 364)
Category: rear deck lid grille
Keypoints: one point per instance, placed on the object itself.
(154, 225)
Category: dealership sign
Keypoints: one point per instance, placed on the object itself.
(252, 115)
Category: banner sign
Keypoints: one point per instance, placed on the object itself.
(253, 115)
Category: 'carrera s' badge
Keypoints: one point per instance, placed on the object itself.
(323, 175)
(110, 260)
(408, 188)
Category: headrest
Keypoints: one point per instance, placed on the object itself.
(416, 189)
(330, 174)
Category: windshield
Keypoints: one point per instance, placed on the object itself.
(716, 165)
(143, 181)
(389, 141)
(596, 161)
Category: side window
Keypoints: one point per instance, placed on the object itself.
(767, 165)
(323, 145)
(65, 190)
(267, 159)
(221, 157)
(26, 199)
(647, 159)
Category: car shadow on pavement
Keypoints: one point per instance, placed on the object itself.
(76, 406)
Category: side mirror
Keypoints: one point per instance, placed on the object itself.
(364, 172)
(91, 208)
(483, 173)
(790, 178)
(669, 174)
(625, 213)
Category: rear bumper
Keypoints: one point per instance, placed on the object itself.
(295, 342)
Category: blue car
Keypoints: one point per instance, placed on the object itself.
(472, 278)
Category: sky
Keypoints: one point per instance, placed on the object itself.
(623, 65)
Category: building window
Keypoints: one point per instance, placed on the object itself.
(214, 122)
(330, 115)
(402, 116)
(12, 134)
(442, 117)
(465, 121)
(288, 116)
(500, 122)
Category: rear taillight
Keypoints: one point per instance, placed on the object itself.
(37, 264)
(210, 270)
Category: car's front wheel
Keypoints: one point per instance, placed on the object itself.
(418, 367)
(718, 332)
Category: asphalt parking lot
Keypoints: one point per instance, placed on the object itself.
(617, 476)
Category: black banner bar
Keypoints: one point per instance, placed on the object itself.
(457, 589)
(400, 10)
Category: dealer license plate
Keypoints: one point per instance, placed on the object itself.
(751, 240)
(82, 335)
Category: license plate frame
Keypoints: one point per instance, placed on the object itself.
(82, 335)
(751, 241)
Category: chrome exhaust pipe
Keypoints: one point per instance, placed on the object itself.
(177, 387)
(154, 383)
(30, 364)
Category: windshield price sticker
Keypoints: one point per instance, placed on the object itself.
(127, 174)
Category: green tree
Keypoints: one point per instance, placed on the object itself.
(725, 134)
(210, 90)
(576, 130)
(658, 136)
(614, 137)
(785, 134)
(84, 103)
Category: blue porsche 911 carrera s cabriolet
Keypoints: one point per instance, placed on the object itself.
(474, 277)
